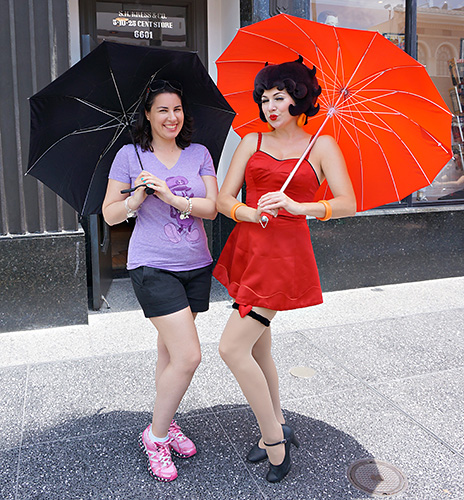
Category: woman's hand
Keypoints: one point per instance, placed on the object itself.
(273, 201)
(160, 187)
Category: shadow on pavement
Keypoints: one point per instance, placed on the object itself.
(97, 457)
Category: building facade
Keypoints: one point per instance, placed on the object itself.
(55, 265)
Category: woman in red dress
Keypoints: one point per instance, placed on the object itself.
(272, 268)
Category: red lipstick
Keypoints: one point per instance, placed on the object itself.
(273, 117)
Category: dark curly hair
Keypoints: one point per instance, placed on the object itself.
(298, 80)
(142, 128)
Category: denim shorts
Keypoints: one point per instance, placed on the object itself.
(161, 292)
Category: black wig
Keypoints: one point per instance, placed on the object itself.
(298, 80)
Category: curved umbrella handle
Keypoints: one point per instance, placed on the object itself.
(148, 190)
(264, 219)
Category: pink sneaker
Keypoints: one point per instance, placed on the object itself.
(160, 464)
(180, 444)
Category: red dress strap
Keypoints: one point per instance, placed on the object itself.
(260, 137)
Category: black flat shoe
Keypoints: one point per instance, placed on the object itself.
(277, 472)
(256, 454)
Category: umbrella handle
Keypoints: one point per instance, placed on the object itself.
(148, 190)
(264, 218)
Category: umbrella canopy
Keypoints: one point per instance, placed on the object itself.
(378, 102)
(81, 119)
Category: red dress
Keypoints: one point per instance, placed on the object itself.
(272, 267)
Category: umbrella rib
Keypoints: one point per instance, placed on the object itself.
(94, 106)
(127, 123)
(372, 78)
(257, 35)
(392, 130)
(319, 52)
(375, 76)
(245, 124)
(115, 138)
(74, 132)
(207, 106)
(356, 141)
(361, 60)
(374, 139)
(402, 92)
(391, 111)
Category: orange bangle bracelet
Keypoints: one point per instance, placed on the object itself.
(234, 209)
(328, 210)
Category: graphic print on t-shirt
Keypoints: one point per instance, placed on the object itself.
(180, 227)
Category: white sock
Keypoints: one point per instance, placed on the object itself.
(154, 438)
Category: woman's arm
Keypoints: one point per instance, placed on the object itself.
(233, 182)
(205, 208)
(114, 209)
(327, 155)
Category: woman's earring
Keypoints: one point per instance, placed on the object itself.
(301, 122)
(270, 127)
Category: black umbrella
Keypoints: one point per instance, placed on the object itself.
(81, 119)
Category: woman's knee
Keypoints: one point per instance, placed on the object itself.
(223, 350)
(194, 361)
(230, 353)
(187, 361)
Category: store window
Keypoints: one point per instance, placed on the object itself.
(440, 48)
(156, 25)
(440, 34)
(372, 15)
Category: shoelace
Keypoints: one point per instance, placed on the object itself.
(175, 430)
(161, 454)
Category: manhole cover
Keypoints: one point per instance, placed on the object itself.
(302, 371)
(376, 477)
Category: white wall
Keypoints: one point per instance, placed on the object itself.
(223, 23)
(73, 35)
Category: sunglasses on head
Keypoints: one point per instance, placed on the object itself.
(157, 85)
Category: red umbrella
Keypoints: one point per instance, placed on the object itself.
(378, 102)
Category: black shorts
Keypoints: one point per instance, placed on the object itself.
(162, 292)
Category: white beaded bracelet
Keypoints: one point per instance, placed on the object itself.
(130, 212)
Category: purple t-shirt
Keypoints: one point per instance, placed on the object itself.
(160, 237)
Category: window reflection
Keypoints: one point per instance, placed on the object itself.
(370, 15)
(440, 32)
(440, 39)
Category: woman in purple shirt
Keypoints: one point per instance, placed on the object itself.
(168, 259)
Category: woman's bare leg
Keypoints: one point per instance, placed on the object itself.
(236, 345)
(163, 355)
(179, 355)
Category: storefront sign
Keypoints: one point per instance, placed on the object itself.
(144, 22)
(164, 25)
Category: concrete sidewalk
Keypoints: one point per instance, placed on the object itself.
(388, 385)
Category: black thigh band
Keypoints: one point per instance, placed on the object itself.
(254, 315)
